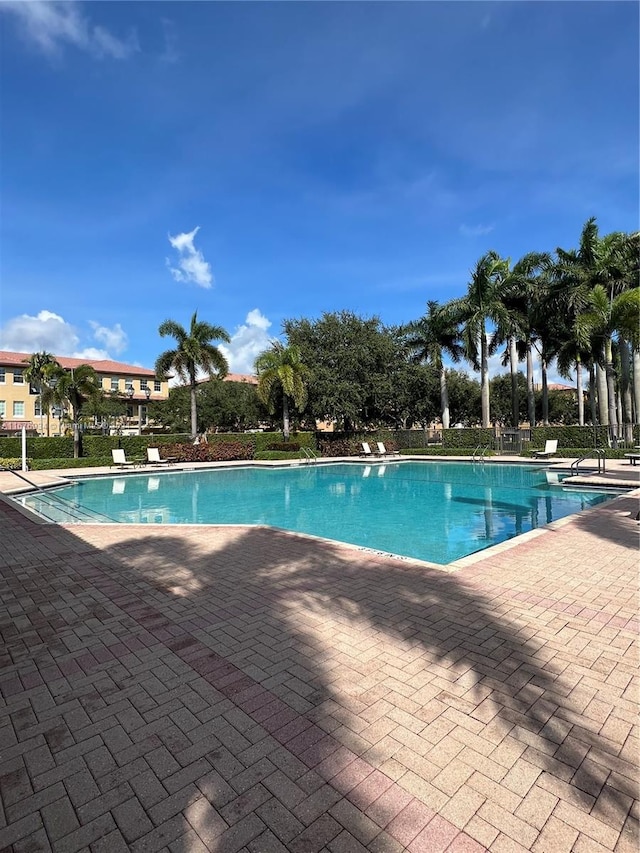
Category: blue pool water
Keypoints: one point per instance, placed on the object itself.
(432, 511)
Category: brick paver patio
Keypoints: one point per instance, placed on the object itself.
(229, 689)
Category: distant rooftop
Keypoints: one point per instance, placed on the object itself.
(19, 359)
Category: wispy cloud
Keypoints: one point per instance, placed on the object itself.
(191, 265)
(247, 342)
(476, 230)
(114, 339)
(170, 53)
(52, 25)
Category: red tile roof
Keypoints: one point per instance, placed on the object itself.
(241, 377)
(11, 359)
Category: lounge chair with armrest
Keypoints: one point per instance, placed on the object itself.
(550, 449)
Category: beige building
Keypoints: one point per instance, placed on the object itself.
(20, 403)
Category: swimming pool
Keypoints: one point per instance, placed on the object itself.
(434, 511)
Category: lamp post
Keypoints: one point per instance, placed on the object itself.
(130, 392)
(147, 394)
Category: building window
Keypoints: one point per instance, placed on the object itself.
(143, 415)
(115, 383)
(37, 411)
(157, 385)
(129, 411)
(2, 375)
(144, 384)
(18, 377)
(3, 408)
(128, 384)
(18, 408)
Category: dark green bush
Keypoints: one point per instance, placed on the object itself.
(467, 437)
(83, 462)
(278, 454)
(287, 446)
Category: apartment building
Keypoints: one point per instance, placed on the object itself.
(20, 403)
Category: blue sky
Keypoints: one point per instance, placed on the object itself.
(261, 161)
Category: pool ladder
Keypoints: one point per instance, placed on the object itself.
(479, 452)
(311, 456)
(601, 455)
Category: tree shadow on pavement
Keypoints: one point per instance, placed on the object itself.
(329, 674)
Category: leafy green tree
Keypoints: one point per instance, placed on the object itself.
(41, 367)
(282, 380)
(428, 339)
(349, 358)
(483, 302)
(193, 352)
(73, 388)
(464, 398)
(502, 398)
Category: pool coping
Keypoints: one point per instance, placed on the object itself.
(629, 490)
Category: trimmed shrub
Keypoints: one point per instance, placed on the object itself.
(13, 463)
(285, 446)
(83, 462)
(224, 451)
(467, 437)
(278, 454)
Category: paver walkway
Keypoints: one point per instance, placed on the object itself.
(232, 689)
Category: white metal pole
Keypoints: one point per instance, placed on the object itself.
(24, 448)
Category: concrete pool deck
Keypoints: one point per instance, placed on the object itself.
(229, 689)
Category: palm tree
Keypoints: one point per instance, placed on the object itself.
(483, 302)
(431, 337)
(525, 297)
(603, 318)
(74, 387)
(194, 352)
(281, 374)
(40, 366)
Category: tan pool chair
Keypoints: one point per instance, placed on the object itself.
(153, 456)
(119, 459)
(382, 450)
(550, 449)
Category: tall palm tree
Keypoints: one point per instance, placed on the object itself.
(74, 388)
(525, 297)
(39, 366)
(282, 375)
(610, 262)
(482, 303)
(603, 318)
(428, 339)
(194, 352)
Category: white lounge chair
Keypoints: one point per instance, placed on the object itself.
(119, 459)
(550, 449)
(382, 450)
(366, 450)
(153, 456)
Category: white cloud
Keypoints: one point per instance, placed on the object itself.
(191, 265)
(91, 354)
(45, 331)
(247, 342)
(476, 230)
(115, 339)
(51, 332)
(52, 25)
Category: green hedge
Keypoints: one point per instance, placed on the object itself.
(467, 437)
(279, 454)
(575, 436)
(84, 462)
